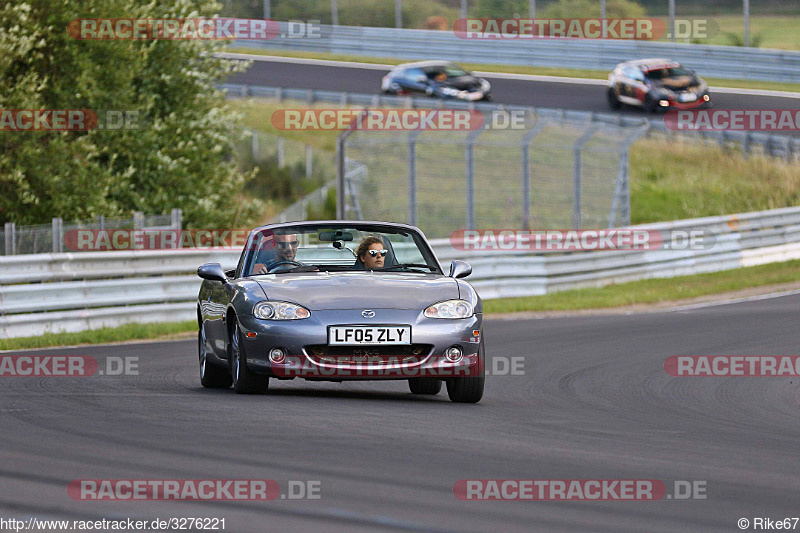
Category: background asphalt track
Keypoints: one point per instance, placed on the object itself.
(594, 403)
(580, 96)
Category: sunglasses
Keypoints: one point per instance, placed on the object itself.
(286, 244)
(374, 253)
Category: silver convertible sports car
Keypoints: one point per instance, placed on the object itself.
(336, 301)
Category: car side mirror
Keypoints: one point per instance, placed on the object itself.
(460, 269)
(212, 272)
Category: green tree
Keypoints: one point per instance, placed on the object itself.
(499, 9)
(591, 8)
(182, 153)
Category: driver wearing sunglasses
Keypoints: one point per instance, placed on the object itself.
(285, 249)
(371, 253)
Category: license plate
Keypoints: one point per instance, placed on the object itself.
(688, 97)
(359, 335)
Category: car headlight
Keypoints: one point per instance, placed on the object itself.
(449, 91)
(450, 309)
(280, 311)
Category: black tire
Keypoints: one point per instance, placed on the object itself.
(650, 104)
(613, 101)
(469, 389)
(425, 385)
(211, 376)
(244, 381)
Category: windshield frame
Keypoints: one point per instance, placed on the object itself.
(251, 248)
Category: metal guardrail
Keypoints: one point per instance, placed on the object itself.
(75, 293)
(772, 144)
(596, 54)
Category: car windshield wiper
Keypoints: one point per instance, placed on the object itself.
(409, 266)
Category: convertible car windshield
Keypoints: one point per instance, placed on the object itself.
(304, 248)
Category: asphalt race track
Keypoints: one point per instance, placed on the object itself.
(554, 94)
(593, 402)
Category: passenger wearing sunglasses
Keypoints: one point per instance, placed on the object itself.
(371, 253)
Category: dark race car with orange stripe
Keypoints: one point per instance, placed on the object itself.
(656, 84)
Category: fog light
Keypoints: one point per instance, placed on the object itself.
(706, 98)
(453, 354)
(277, 356)
(663, 103)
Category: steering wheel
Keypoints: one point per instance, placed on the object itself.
(272, 266)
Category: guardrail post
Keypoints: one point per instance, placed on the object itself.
(281, 153)
(177, 218)
(58, 235)
(11, 238)
(101, 222)
(746, 144)
(309, 161)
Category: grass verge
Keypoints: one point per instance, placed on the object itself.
(512, 69)
(651, 291)
(128, 332)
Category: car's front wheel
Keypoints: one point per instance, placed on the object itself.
(425, 385)
(613, 101)
(469, 389)
(211, 376)
(244, 380)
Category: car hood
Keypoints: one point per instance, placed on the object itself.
(464, 83)
(319, 291)
(677, 83)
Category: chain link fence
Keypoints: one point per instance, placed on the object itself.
(553, 172)
(49, 238)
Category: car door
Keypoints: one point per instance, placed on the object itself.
(632, 84)
(415, 80)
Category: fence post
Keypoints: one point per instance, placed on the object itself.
(470, 177)
(254, 145)
(177, 218)
(11, 235)
(309, 161)
(281, 153)
(58, 235)
(470, 153)
(526, 170)
(412, 178)
(138, 220)
(577, 218)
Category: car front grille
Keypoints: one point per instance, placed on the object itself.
(372, 355)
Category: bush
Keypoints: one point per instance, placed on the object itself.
(591, 8)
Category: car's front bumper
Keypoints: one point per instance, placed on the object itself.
(307, 354)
